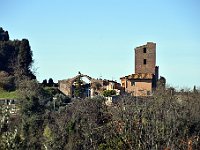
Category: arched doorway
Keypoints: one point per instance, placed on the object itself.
(81, 86)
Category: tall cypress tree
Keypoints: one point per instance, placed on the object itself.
(78, 89)
(25, 59)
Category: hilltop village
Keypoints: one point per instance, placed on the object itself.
(17, 61)
(142, 83)
(138, 113)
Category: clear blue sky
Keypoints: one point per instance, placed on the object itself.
(98, 37)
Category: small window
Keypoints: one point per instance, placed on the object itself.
(145, 50)
(145, 61)
(148, 93)
(132, 83)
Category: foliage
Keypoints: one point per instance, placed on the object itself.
(3, 35)
(44, 82)
(7, 81)
(15, 72)
(96, 86)
(158, 122)
(24, 59)
(16, 57)
(32, 109)
(50, 82)
(47, 133)
(109, 93)
(52, 90)
(78, 88)
(167, 120)
(29, 88)
(15, 61)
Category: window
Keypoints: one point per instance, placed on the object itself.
(148, 92)
(123, 84)
(132, 83)
(145, 50)
(145, 61)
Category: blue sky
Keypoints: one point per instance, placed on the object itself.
(98, 37)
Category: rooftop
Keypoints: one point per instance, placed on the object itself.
(139, 76)
(145, 45)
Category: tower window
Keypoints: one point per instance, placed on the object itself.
(132, 83)
(145, 61)
(145, 50)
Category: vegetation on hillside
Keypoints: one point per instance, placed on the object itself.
(109, 93)
(15, 61)
(168, 120)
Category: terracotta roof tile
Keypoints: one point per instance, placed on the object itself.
(139, 76)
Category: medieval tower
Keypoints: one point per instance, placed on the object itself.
(145, 58)
(144, 80)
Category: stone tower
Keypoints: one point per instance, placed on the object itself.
(144, 81)
(145, 59)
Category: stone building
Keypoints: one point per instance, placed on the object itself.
(67, 86)
(144, 81)
(112, 85)
(94, 88)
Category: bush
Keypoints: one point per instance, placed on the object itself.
(6, 81)
(109, 93)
